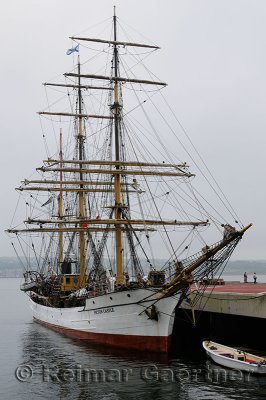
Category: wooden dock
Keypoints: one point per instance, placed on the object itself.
(229, 313)
(233, 298)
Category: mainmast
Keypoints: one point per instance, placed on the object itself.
(118, 210)
(81, 209)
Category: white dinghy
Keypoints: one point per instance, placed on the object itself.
(234, 358)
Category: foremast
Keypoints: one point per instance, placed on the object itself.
(117, 179)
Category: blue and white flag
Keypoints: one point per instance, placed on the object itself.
(72, 50)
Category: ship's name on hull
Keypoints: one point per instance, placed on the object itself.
(104, 310)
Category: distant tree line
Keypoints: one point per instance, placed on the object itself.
(11, 267)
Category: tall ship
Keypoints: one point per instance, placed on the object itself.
(116, 234)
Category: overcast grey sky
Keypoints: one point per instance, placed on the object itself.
(213, 57)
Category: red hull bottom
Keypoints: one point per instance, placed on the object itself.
(158, 344)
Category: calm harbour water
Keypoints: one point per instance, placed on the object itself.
(37, 363)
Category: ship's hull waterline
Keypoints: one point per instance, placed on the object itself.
(117, 319)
